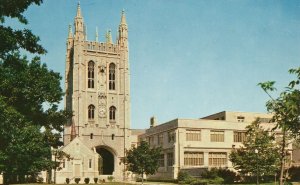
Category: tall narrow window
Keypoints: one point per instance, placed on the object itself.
(170, 159)
(112, 76)
(91, 112)
(90, 163)
(91, 136)
(112, 113)
(91, 74)
(239, 136)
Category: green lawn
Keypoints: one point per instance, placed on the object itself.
(123, 183)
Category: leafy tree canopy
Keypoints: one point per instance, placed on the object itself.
(143, 159)
(30, 121)
(265, 162)
(286, 114)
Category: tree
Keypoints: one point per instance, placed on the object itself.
(30, 121)
(263, 163)
(286, 113)
(143, 159)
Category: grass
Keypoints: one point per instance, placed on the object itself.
(123, 183)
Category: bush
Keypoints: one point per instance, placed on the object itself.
(67, 180)
(110, 178)
(182, 176)
(95, 180)
(210, 174)
(229, 176)
(87, 180)
(294, 173)
(77, 180)
(217, 180)
(185, 178)
(199, 182)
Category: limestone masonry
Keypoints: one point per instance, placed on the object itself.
(97, 82)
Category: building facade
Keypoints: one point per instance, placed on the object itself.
(97, 82)
(98, 93)
(193, 145)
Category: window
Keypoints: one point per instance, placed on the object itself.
(161, 160)
(265, 120)
(239, 136)
(64, 163)
(217, 159)
(112, 76)
(216, 136)
(113, 137)
(91, 136)
(193, 135)
(90, 163)
(160, 140)
(193, 158)
(91, 74)
(171, 137)
(240, 118)
(91, 112)
(151, 140)
(112, 113)
(170, 159)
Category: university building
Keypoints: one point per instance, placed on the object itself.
(97, 82)
(193, 145)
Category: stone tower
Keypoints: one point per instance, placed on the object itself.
(98, 93)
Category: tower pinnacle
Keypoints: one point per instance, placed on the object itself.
(108, 37)
(123, 18)
(70, 35)
(97, 34)
(78, 14)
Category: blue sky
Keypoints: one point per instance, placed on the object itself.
(188, 58)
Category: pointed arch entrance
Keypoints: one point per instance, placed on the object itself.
(108, 162)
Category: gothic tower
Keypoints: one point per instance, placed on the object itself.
(98, 93)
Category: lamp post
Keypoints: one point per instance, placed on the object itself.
(256, 152)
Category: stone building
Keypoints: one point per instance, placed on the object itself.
(195, 144)
(98, 93)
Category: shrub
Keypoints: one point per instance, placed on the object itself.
(210, 174)
(87, 180)
(185, 178)
(77, 180)
(199, 182)
(229, 176)
(182, 176)
(95, 180)
(67, 180)
(110, 178)
(294, 173)
(217, 180)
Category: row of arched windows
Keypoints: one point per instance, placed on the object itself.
(112, 112)
(111, 78)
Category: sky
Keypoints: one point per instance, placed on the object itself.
(188, 58)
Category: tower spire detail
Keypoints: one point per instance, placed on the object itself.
(96, 34)
(70, 35)
(123, 31)
(78, 14)
(79, 25)
(73, 130)
(108, 37)
(123, 18)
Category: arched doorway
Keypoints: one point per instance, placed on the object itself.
(108, 164)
